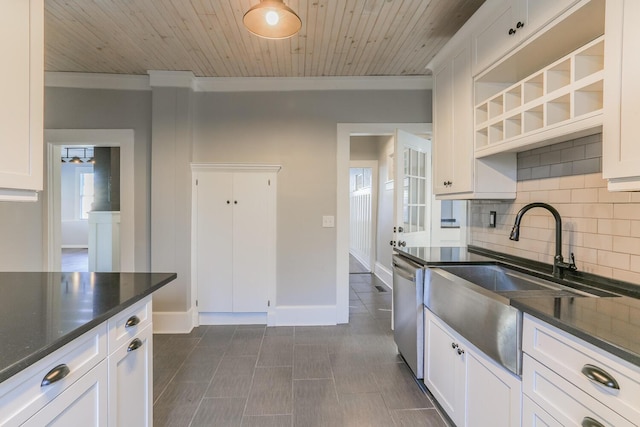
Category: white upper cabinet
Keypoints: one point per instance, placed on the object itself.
(21, 107)
(511, 22)
(456, 174)
(621, 150)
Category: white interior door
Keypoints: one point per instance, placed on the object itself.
(412, 190)
(420, 219)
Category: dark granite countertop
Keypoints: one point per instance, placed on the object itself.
(611, 323)
(42, 311)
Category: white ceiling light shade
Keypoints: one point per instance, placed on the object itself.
(272, 19)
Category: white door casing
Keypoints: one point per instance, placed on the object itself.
(123, 138)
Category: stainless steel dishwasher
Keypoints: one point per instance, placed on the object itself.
(408, 314)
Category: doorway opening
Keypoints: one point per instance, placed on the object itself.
(413, 208)
(58, 141)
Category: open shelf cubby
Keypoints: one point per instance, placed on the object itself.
(496, 106)
(558, 110)
(589, 61)
(533, 119)
(533, 88)
(513, 126)
(482, 113)
(559, 76)
(588, 99)
(560, 94)
(513, 98)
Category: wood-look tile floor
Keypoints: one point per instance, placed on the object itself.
(345, 375)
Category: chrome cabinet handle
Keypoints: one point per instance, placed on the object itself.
(55, 375)
(132, 321)
(600, 376)
(135, 344)
(590, 422)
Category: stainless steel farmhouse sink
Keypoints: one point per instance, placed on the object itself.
(474, 300)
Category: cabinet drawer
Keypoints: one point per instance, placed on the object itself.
(22, 395)
(564, 401)
(534, 416)
(125, 325)
(567, 356)
(82, 404)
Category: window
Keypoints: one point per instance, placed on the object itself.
(86, 194)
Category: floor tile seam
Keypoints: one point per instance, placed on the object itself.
(174, 375)
(253, 375)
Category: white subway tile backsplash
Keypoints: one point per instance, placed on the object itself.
(602, 228)
(614, 260)
(628, 245)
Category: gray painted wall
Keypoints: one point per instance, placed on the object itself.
(110, 109)
(298, 131)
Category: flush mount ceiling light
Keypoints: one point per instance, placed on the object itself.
(272, 19)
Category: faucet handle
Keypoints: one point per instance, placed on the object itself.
(572, 263)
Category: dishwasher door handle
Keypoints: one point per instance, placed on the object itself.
(409, 275)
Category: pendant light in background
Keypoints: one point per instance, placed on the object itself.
(272, 19)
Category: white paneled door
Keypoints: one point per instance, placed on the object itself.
(234, 236)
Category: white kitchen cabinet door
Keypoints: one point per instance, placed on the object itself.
(512, 22)
(131, 382)
(453, 121)
(444, 369)
(457, 175)
(234, 229)
(493, 394)
(21, 107)
(83, 404)
(214, 240)
(620, 150)
(472, 389)
(253, 245)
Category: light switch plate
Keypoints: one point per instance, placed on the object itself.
(328, 221)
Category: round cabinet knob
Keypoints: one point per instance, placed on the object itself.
(460, 351)
(511, 31)
(228, 202)
(520, 24)
(454, 345)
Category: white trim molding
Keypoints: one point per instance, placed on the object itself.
(384, 274)
(236, 167)
(172, 322)
(285, 84)
(158, 78)
(96, 81)
(186, 79)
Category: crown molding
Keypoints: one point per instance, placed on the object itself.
(284, 84)
(186, 79)
(96, 81)
(159, 78)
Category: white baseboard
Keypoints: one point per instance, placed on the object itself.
(74, 246)
(384, 274)
(172, 322)
(232, 318)
(360, 259)
(305, 315)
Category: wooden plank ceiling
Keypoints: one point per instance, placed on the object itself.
(338, 37)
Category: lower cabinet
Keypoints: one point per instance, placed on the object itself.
(102, 378)
(471, 388)
(131, 382)
(83, 404)
(575, 383)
